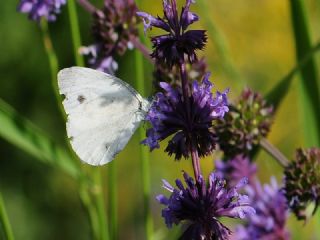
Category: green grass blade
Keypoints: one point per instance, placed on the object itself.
(75, 32)
(309, 89)
(100, 204)
(4, 221)
(277, 94)
(144, 152)
(53, 62)
(113, 200)
(25, 135)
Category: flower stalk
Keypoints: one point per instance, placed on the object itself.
(185, 92)
(195, 163)
(142, 48)
(185, 85)
(87, 6)
(53, 62)
(274, 152)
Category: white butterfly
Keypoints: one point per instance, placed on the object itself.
(103, 113)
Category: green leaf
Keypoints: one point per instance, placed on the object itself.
(25, 135)
(309, 89)
(277, 94)
(4, 221)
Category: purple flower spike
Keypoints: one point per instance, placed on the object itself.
(199, 206)
(150, 21)
(41, 8)
(271, 214)
(168, 116)
(171, 48)
(235, 169)
(113, 28)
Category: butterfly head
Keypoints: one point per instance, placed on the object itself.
(145, 105)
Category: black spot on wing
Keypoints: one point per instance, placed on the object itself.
(81, 98)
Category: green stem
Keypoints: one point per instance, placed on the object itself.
(99, 198)
(145, 168)
(84, 192)
(112, 192)
(75, 32)
(4, 220)
(53, 62)
(274, 152)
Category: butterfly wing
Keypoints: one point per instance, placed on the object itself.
(103, 113)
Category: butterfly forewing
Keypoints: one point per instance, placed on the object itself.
(103, 113)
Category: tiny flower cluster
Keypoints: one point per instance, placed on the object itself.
(247, 122)
(168, 116)
(162, 73)
(113, 28)
(199, 206)
(36, 9)
(171, 48)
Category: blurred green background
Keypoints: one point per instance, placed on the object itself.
(43, 202)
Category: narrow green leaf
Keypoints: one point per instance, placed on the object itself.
(277, 94)
(113, 200)
(53, 62)
(309, 89)
(75, 32)
(4, 221)
(25, 135)
(144, 153)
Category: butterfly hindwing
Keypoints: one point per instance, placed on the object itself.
(103, 113)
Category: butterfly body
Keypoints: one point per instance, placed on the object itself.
(103, 113)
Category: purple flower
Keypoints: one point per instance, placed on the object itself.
(113, 28)
(168, 116)
(115, 25)
(271, 214)
(163, 73)
(199, 206)
(171, 48)
(41, 8)
(235, 169)
(104, 64)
